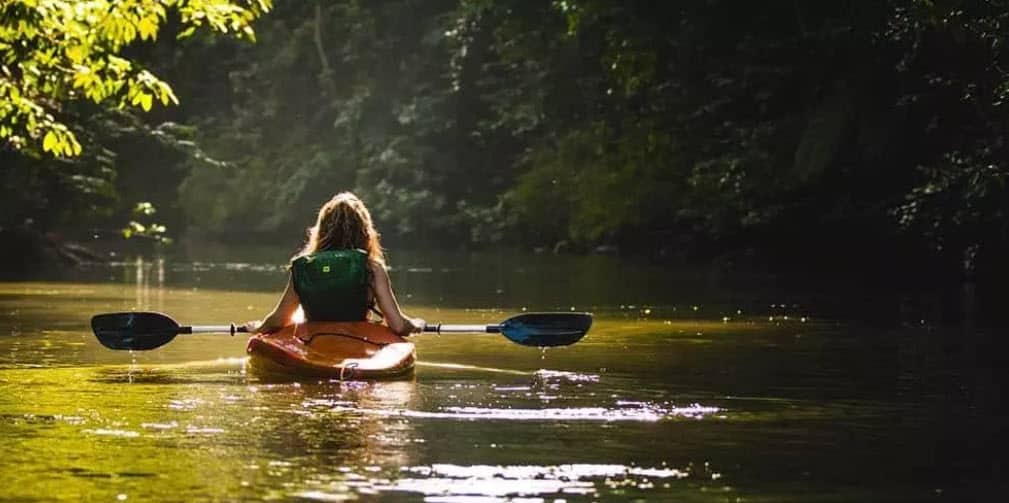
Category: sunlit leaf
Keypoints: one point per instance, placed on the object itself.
(50, 142)
(148, 28)
(76, 53)
(75, 50)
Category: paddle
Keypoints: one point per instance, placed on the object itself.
(530, 329)
(145, 330)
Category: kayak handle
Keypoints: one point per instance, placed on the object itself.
(462, 329)
(213, 329)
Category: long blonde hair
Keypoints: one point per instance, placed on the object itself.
(344, 223)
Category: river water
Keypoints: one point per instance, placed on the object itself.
(691, 386)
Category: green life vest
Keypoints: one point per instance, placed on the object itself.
(333, 285)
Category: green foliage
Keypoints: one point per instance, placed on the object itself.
(959, 200)
(702, 125)
(801, 129)
(300, 131)
(141, 226)
(57, 51)
(77, 192)
(601, 184)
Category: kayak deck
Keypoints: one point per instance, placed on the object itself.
(341, 350)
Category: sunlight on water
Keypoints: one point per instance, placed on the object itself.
(644, 412)
(560, 375)
(114, 433)
(493, 483)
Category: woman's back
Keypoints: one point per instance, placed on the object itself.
(333, 285)
(340, 273)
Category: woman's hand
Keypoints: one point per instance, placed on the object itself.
(252, 326)
(417, 325)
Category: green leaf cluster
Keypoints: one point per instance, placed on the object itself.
(142, 227)
(54, 52)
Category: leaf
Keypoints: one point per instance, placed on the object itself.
(146, 100)
(50, 142)
(166, 94)
(73, 146)
(148, 28)
(187, 32)
(83, 77)
(76, 53)
(144, 208)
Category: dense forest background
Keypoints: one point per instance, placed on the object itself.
(835, 136)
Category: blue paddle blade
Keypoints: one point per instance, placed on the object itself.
(136, 331)
(546, 329)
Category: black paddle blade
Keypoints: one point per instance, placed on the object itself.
(137, 331)
(546, 329)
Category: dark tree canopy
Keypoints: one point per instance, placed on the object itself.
(866, 132)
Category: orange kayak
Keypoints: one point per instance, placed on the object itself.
(340, 350)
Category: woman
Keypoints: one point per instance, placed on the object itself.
(340, 274)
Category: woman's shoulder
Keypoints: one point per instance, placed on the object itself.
(342, 257)
(340, 252)
(377, 265)
(297, 260)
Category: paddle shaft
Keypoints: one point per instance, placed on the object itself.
(212, 329)
(462, 329)
(438, 328)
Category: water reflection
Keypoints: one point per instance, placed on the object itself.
(143, 271)
(310, 432)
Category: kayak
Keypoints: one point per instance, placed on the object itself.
(340, 350)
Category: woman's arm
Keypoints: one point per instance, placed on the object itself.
(394, 316)
(280, 317)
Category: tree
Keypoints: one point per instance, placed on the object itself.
(955, 86)
(54, 52)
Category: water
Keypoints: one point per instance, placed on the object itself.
(688, 388)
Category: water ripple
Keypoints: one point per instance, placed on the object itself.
(492, 483)
(644, 413)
